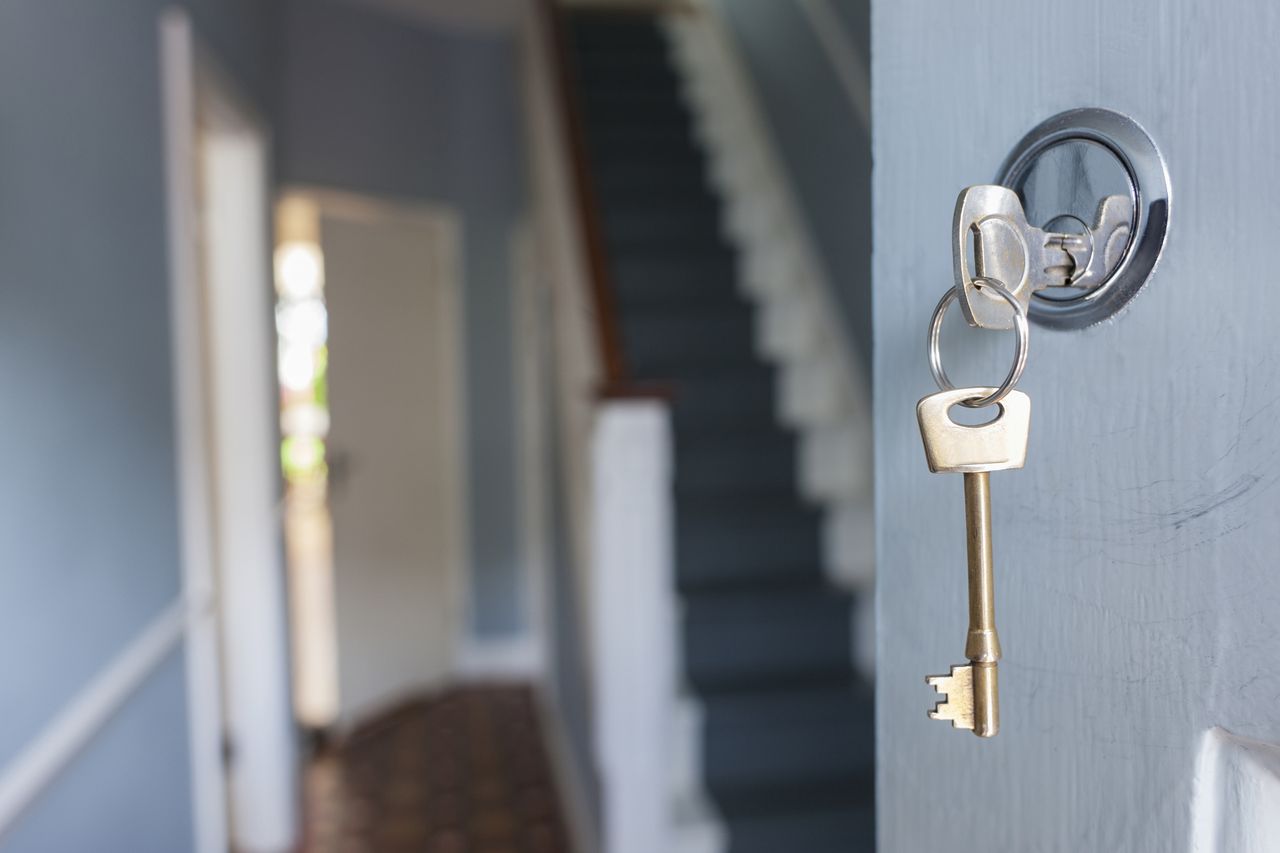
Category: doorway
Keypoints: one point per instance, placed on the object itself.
(370, 370)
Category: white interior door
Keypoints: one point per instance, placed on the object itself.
(396, 486)
(1136, 590)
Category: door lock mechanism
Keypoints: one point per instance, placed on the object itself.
(1027, 259)
(1072, 226)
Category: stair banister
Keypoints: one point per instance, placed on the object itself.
(618, 381)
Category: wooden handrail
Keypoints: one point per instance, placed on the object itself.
(618, 381)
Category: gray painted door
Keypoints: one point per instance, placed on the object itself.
(1137, 594)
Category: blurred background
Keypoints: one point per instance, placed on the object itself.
(436, 425)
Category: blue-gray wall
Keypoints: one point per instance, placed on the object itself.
(823, 143)
(128, 790)
(374, 105)
(88, 500)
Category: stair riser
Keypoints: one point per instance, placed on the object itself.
(617, 184)
(682, 233)
(752, 554)
(667, 344)
(625, 113)
(731, 647)
(850, 828)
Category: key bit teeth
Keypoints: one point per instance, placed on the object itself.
(958, 690)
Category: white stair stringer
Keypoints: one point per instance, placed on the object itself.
(823, 391)
(698, 828)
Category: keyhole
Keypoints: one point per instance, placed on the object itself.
(1061, 191)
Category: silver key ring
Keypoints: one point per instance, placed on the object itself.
(1019, 356)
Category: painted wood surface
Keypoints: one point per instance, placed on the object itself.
(399, 558)
(1137, 593)
(634, 669)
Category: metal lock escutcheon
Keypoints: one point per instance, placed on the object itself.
(1073, 226)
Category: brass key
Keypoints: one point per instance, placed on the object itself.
(972, 690)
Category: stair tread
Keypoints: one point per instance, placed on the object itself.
(615, 177)
(760, 636)
(717, 253)
(739, 539)
(740, 550)
(594, 69)
(659, 344)
(694, 225)
(843, 828)
(771, 601)
(845, 700)
(685, 215)
(736, 461)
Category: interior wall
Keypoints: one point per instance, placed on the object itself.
(378, 106)
(88, 502)
(127, 791)
(824, 144)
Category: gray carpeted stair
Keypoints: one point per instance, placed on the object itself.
(788, 744)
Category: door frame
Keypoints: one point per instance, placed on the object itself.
(235, 631)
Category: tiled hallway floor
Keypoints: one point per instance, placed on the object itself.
(461, 772)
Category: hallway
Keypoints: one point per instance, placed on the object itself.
(468, 445)
(464, 771)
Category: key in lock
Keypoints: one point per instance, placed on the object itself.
(1027, 259)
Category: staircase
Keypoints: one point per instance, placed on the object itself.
(787, 735)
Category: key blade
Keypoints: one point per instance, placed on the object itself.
(958, 690)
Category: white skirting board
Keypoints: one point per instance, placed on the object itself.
(697, 826)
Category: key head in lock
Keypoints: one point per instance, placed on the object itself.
(994, 215)
(997, 445)
(1026, 259)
